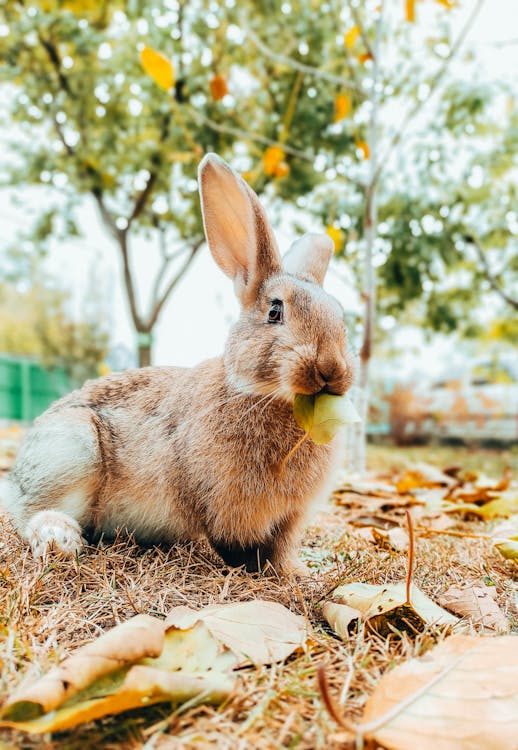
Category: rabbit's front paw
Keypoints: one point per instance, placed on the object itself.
(53, 532)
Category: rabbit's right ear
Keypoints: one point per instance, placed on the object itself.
(239, 235)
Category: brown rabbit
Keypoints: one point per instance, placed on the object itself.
(175, 454)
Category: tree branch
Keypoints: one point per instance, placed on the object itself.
(55, 60)
(167, 259)
(436, 80)
(142, 199)
(128, 282)
(493, 281)
(106, 215)
(68, 148)
(359, 24)
(143, 196)
(257, 138)
(301, 67)
(172, 284)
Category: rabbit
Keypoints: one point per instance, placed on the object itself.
(171, 453)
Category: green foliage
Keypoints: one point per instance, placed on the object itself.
(37, 323)
(93, 122)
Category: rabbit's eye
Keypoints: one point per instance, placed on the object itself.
(276, 312)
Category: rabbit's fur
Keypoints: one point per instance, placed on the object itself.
(175, 454)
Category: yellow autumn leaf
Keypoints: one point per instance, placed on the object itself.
(351, 36)
(342, 107)
(282, 169)
(364, 57)
(80, 6)
(363, 146)
(272, 158)
(337, 236)
(410, 10)
(447, 3)
(158, 67)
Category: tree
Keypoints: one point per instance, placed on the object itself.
(352, 114)
(94, 124)
(405, 204)
(36, 322)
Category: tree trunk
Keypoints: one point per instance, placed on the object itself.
(357, 437)
(144, 347)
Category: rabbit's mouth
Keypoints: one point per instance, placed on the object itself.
(309, 375)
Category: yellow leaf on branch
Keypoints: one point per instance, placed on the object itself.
(282, 169)
(158, 67)
(337, 236)
(351, 36)
(342, 107)
(272, 158)
(363, 146)
(410, 10)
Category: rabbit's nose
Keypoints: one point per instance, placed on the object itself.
(332, 379)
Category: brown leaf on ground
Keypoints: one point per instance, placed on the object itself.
(423, 476)
(384, 608)
(477, 602)
(260, 632)
(461, 695)
(396, 538)
(341, 618)
(386, 536)
(368, 488)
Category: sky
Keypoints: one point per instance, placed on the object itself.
(194, 323)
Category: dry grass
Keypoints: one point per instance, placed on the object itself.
(45, 612)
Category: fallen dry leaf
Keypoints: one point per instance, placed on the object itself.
(384, 536)
(341, 617)
(260, 632)
(146, 661)
(368, 488)
(202, 673)
(384, 608)
(461, 695)
(125, 644)
(502, 506)
(423, 476)
(505, 537)
(477, 602)
(396, 538)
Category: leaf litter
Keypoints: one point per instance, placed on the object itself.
(143, 661)
(50, 610)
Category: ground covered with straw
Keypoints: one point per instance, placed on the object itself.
(46, 611)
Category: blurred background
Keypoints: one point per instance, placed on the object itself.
(391, 125)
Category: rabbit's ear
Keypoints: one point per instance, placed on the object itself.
(237, 230)
(309, 256)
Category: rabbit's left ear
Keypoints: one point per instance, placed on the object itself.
(308, 258)
(239, 234)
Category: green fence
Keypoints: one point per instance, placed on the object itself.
(26, 388)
